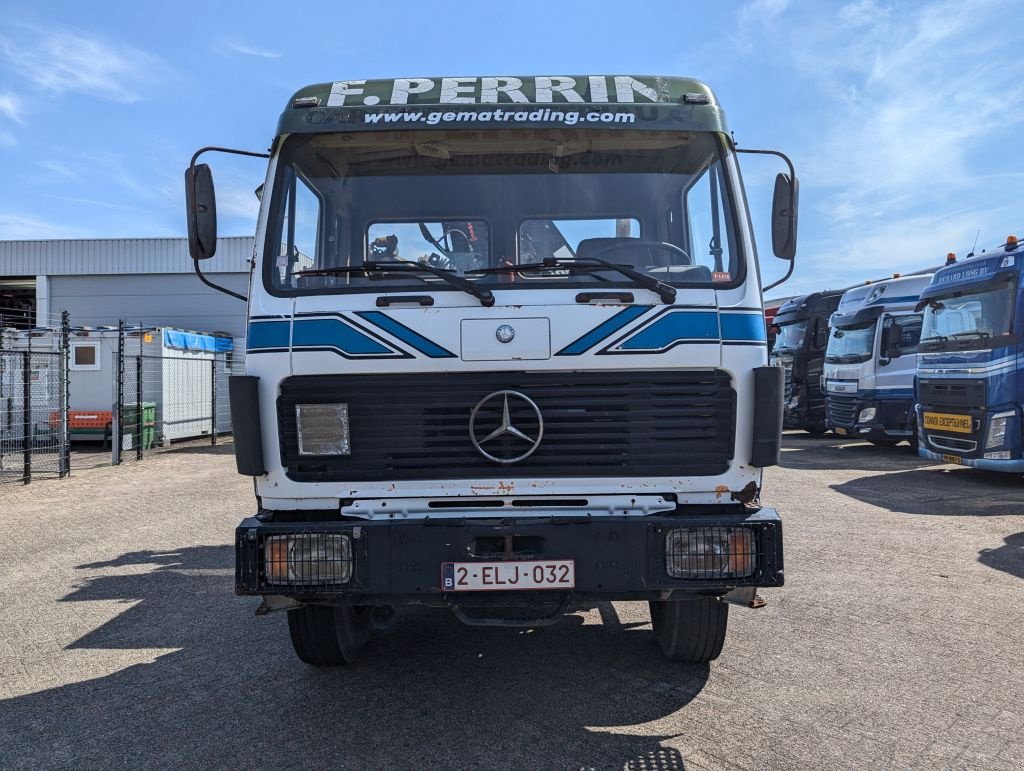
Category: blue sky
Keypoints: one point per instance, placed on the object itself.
(904, 119)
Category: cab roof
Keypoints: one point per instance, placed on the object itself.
(506, 102)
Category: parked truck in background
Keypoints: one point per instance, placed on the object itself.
(871, 361)
(506, 355)
(799, 348)
(970, 374)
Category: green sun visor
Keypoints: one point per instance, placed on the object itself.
(506, 102)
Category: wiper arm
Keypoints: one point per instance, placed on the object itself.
(972, 333)
(940, 338)
(486, 296)
(665, 291)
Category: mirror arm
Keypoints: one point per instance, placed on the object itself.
(792, 175)
(784, 279)
(218, 287)
(192, 168)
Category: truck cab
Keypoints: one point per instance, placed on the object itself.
(871, 361)
(970, 376)
(505, 356)
(799, 348)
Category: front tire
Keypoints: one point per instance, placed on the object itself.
(329, 635)
(691, 631)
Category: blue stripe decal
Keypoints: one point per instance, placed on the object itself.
(406, 335)
(335, 333)
(601, 331)
(672, 327)
(267, 334)
(743, 326)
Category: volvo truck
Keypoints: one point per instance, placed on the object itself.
(871, 361)
(799, 348)
(505, 356)
(970, 373)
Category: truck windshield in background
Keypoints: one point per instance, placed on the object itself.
(790, 337)
(851, 344)
(494, 211)
(965, 321)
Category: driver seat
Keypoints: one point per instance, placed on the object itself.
(636, 255)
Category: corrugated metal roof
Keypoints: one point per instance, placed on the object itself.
(118, 256)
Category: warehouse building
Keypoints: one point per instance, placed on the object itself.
(147, 281)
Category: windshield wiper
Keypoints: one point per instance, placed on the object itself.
(665, 291)
(972, 333)
(940, 338)
(486, 296)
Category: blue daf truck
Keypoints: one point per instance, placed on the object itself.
(970, 374)
(506, 355)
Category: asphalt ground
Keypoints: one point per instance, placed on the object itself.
(896, 642)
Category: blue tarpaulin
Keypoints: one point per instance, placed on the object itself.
(193, 341)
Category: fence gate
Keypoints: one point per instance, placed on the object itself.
(33, 414)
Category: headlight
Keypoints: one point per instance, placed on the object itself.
(323, 429)
(317, 558)
(997, 429)
(710, 552)
(867, 414)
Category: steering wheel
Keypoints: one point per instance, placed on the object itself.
(634, 242)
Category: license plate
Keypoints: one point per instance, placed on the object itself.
(953, 459)
(841, 431)
(506, 576)
(940, 421)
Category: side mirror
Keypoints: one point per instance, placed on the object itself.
(201, 212)
(784, 216)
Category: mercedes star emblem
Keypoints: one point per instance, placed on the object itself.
(505, 333)
(507, 409)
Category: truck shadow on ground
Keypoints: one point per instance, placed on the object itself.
(1009, 557)
(226, 688)
(943, 491)
(809, 453)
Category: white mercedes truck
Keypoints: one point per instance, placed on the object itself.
(506, 355)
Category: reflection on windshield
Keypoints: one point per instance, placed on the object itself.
(967, 321)
(791, 336)
(478, 205)
(850, 344)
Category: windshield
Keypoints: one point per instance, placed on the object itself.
(968, 321)
(492, 207)
(850, 344)
(791, 336)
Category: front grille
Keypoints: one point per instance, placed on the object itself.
(663, 423)
(788, 383)
(842, 410)
(952, 393)
(952, 443)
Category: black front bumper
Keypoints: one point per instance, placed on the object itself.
(615, 557)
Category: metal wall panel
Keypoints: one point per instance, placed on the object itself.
(118, 256)
(153, 300)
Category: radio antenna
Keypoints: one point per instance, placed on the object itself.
(976, 236)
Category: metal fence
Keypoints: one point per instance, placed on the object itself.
(169, 398)
(147, 397)
(33, 405)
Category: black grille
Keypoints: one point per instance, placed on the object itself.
(952, 393)
(842, 410)
(664, 423)
(788, 383)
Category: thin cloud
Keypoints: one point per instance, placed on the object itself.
(19, 226)
(61, 61)
(59, 169)
(908, 100)
(233, 46)
(11, 107)
(7, 139)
